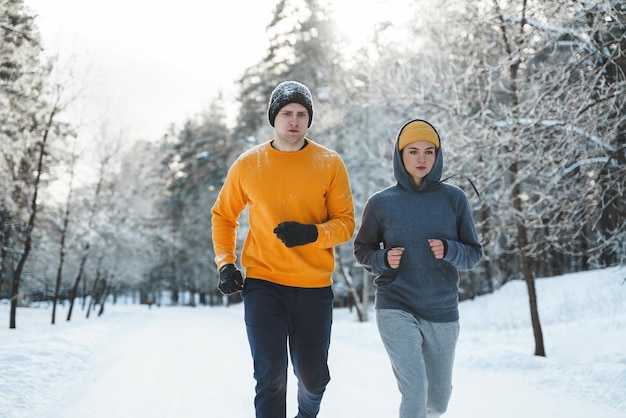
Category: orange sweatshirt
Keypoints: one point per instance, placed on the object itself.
(309, 186)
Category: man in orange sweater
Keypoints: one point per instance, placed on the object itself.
(300, 206)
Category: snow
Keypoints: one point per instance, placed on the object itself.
(194, 362)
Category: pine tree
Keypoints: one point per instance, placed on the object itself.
(24, 127)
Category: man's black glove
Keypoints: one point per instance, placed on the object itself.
(231, 280)
(294, 233)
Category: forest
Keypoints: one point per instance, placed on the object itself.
(529, 97)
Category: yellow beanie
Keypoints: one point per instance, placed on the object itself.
(417, 130)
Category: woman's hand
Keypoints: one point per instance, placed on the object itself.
(437, 247)
(393, 257)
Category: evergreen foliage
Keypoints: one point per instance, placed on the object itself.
(529, 98)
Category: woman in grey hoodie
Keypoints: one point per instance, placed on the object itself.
(415, 236)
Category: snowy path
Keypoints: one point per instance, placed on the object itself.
(184, 362)
(177, 362)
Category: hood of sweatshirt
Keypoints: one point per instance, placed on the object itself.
(404, 179)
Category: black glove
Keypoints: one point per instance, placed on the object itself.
(294, 233)
(231, 280)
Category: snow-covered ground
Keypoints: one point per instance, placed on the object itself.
(194, 362)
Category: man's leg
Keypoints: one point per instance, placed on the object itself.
(311, 312)
(266, 324)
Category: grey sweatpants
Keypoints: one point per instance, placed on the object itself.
(422, 356)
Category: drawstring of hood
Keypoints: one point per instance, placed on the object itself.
(468, 179)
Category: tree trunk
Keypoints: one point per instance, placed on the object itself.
(103, 296)
(527, 264)
(511, 44)
(57, 285)
(94, 294)
(29, 226)
(66, 218)
(79, 274)
(534, 308)
(353, 293)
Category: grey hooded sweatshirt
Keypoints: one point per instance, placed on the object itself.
(405, 215)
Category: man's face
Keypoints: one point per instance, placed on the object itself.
(290, 126)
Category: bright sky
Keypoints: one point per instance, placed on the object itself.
(156, 63)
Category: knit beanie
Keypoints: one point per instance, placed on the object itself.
(417, 130)
(289, 92)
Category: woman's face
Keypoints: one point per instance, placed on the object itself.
(418, 159)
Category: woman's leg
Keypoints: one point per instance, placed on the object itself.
(440, 340)
(402, 338)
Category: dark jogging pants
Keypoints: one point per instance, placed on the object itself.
(280, 317)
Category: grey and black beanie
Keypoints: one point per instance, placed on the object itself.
(289, 92)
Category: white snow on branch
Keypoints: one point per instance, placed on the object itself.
(583, 162)
(576, 34)
(555, 122)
